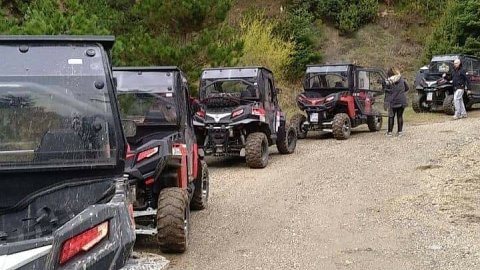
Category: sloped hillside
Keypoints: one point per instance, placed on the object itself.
(291, 33)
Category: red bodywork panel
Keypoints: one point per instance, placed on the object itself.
(129, 152)
(195, 160)
(475, 78)
(364, 95)
(183, 170)
(350, 105)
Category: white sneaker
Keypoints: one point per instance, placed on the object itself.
(456, 117)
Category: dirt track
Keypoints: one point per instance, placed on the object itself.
(372, 202)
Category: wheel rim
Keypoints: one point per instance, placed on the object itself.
(290, 139)
(300, 124)
(378, 122)
(205, 184)
(185, 224)
(346, 127)
(302, 129)
(264, 151)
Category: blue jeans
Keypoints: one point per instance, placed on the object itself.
(458, 103)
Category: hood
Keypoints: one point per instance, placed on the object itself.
(311, 101)
(221, 115)
(227, 115)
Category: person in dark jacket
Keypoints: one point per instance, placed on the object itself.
(420, 76)
(460, 84)
(395, 99)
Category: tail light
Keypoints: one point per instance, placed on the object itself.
(330, 98)
(237, 113)
(258, 111)
(149, 181)
(304, 100)
(130, 154)
(83, 242)
(179, 149)
(147, 153)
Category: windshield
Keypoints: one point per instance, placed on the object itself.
(241, 88)
(444, 58)
(147, 97)
(145, 81)
(55, 110)
(441, 67)
(148, 108)
(326, 80)
(229, 73)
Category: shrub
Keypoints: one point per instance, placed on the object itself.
(47, 18)
(262, 47)
(299, 28)
(181, 17)
(458, 30)
(346, 15)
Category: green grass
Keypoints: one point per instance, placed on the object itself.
(412, 117)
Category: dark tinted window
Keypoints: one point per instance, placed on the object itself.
(234, 88)
(147, 97)
(148, 108)
(55, 108)
(146, 81)
(468, 64)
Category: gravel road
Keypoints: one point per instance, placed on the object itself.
(371, 202)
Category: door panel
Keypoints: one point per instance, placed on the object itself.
(369, 91)
(269, 104)
(474, 76)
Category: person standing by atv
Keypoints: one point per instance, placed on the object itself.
(420, 76)
(395, 99)
(460, 83)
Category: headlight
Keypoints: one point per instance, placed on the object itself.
(330, 98)
(237, 113)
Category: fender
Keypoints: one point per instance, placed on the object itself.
(183, 170)
(279, 120)
(350, 105)
(195, 161)
(198, 123)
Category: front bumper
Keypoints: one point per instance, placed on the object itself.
(110, 253)
(224, 140)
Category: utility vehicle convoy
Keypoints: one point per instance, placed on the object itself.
(63, 197)
(337, 98)
(165, 167)
(240, 115)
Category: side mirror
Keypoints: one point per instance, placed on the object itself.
(129, 128)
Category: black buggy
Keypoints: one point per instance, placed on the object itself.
(240, 115)
(165, 167)
(435, 92)
(63, 197)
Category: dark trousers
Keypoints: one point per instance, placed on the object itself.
(398, 112)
